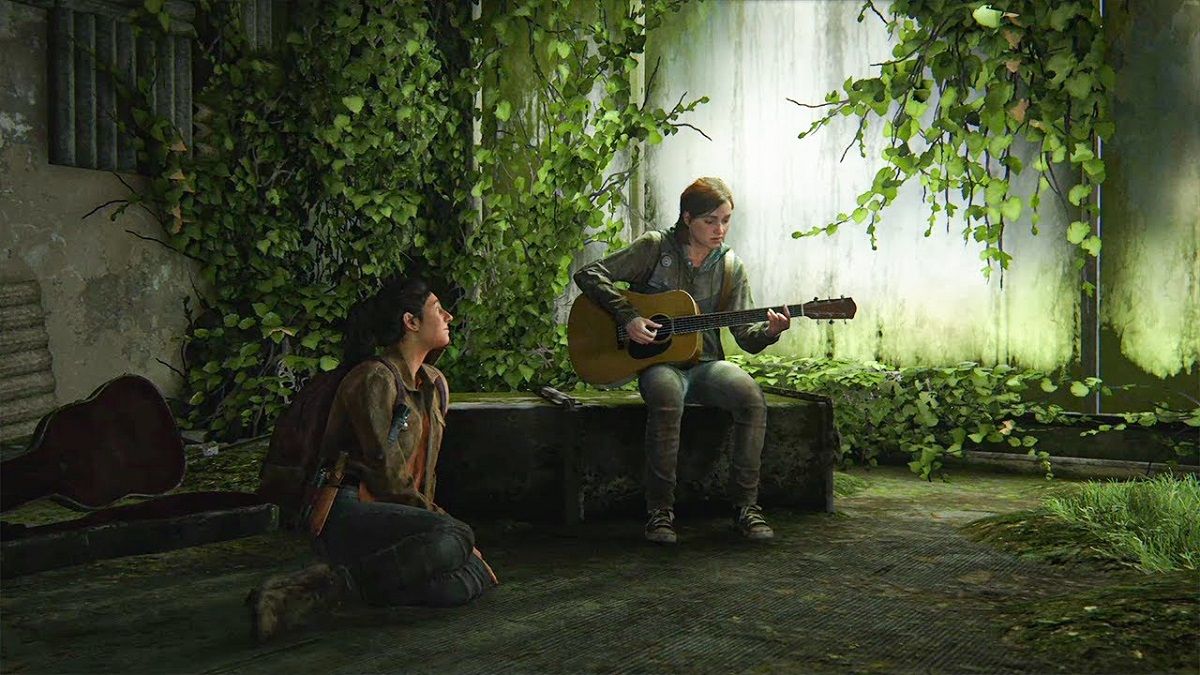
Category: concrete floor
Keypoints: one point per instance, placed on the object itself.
(887, 584)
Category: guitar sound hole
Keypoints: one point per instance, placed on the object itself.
(661, 343)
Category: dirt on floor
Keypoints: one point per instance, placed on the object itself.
(889, 583)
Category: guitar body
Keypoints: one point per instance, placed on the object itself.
(121, 440)
(599, 359)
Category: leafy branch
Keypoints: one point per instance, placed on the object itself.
(966, 84)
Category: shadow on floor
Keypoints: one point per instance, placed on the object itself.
(887, 584)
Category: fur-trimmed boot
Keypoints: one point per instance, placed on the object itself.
(286, 601)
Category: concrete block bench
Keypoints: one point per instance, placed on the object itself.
(520, 456)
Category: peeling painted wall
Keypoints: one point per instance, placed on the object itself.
(1150, 272)
(922, 300)
(113, 302)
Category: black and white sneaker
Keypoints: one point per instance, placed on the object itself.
(660, 526)
(750, 522)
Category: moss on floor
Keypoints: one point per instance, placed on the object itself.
(1146, 623)
(1139, 622)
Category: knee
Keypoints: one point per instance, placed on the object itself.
(459, 587)
(749, 402)
(449, 545)
(662, 389)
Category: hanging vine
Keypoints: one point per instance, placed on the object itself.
(966, 83)
(345, 154)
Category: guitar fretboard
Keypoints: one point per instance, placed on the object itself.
(842, 308)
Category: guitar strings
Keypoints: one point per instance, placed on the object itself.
(701, 322)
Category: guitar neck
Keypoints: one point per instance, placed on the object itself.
(699, 322)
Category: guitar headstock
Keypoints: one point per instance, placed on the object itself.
(832, 308)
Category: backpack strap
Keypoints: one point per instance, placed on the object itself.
(400, 410)
(443, 390)
(726, 282)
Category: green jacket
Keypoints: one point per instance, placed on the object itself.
(656, 262)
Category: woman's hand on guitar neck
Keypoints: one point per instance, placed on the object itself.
(777, 322)
(642, 330)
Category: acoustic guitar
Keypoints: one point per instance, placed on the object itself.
(602, 354)
(120, 441)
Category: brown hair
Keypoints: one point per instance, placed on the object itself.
(703, 196)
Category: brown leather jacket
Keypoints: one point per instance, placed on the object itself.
(361, 419)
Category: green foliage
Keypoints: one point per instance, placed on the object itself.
(346, 155)
(930, 412)
(1151, 523)
(546, 172)
(957, 97)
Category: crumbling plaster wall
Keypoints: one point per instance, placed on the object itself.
(113, 302)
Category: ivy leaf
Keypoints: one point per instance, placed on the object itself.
(341, 121)
(327, 363)
(1079, 193)
(1079, 389)
(354, 103)
(987, 17)
(153, 6)
(1061, 15)
(1077, 230)
(503, 111)
(1011, 210)
(1079, 85)
(1094, 168)
(995, 192)
(1048, 386)
(1061, 63)
(1091, 245)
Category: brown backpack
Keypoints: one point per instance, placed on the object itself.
(294, 454)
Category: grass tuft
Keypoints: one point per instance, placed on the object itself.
(1152, 523)
(845, 485)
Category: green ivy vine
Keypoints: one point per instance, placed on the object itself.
(346, 154)
(929, 413)
(969, 83)
(546, 172)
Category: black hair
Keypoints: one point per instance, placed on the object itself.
(378, 320)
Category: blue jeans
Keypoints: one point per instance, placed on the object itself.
(665, 389)
(402, 555)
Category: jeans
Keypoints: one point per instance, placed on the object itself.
(402, 555)
(721, 384)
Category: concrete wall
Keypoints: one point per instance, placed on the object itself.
(922, 300)
(1150, 208)
(113, 302)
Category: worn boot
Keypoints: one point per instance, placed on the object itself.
(286, 601)
(750, 522)
(660, 526)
